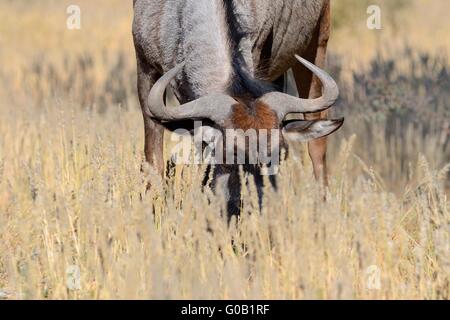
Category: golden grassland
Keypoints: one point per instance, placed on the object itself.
(421, 25)
(72, 193)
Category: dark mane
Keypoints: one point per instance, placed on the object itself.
(243, 84)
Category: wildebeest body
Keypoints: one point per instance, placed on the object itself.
(167, 32)
(222, 59)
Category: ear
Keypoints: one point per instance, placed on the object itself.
(303, 131)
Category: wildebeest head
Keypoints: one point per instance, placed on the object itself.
(264, 114)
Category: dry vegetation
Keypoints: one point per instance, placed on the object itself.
(71, 190)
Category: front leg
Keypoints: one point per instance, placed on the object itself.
(154, 132)
(309, 86)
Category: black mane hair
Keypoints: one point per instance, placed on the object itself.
(243, 83)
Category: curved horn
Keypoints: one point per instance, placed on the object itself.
(216, 107)
(283, 103)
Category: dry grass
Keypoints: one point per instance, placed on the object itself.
(420, 24)
(71, 190)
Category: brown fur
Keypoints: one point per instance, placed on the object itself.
(260, 116)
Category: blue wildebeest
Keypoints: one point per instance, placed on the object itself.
(225, 61)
